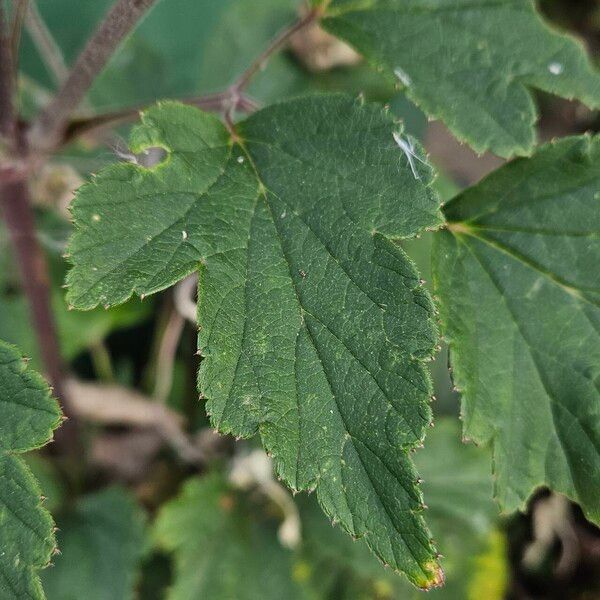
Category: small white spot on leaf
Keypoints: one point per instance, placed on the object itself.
(403, 77)
(555, 68)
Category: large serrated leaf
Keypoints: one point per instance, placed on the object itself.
(519, 285)
(312, 321)
(28, 415)
(223, 547)
(469, 62)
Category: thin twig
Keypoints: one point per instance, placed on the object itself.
(7, 79)
(278, 42)
(228, 102)
(47, 129)
(165, 359)
(211, 102)
(47, 47)
(20, 11)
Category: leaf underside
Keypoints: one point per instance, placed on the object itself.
(519, 286)
(469, 62)
(313, 324)
(28, 415)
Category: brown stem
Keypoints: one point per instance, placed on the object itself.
(47, 129)
(7, 109)
(19, 219)
(229, 101)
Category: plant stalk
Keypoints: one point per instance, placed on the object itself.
(7, 82)
(47, 129)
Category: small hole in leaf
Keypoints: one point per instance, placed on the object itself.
(151, 157)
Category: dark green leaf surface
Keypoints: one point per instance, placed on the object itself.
(312, 321)
(101, 542)
(519, 285)
(223, 548)
(28, 415)
(462, 514)
(469, 62)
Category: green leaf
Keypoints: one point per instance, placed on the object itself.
(101, 542)
(312, 321)
(519, 285)
(469, 62)
(223, 546)
(462, 516)
(28, 415)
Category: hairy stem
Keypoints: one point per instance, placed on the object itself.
(47, 129)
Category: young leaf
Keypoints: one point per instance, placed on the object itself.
(469, 62)
(518, 279)
(28, 415)
(101, 543)
(222, 548)
(312, 321)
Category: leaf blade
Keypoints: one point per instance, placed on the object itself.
(28, 416)
(513, 256)
(290, 229)
(470, 63)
